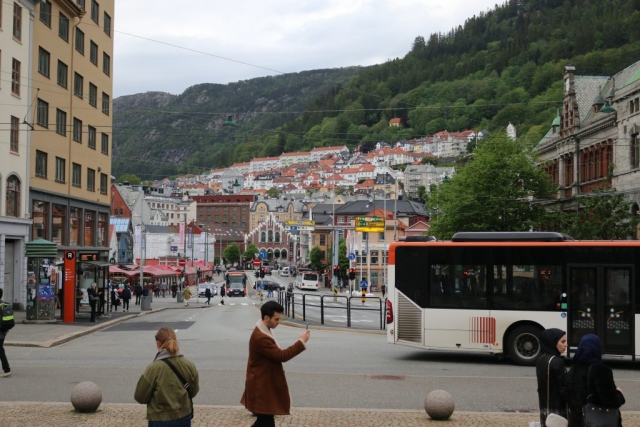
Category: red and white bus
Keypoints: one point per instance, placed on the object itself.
(495, 292)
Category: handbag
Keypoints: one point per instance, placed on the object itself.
(596, 415)
(553, 420)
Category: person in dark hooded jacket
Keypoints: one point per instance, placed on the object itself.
(551, 365)
(601, 385)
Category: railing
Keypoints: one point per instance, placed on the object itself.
(288, 301)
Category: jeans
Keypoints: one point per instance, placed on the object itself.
(264, 421)
(3, 357)
(125, 304)
(182, 422)
(137, 299)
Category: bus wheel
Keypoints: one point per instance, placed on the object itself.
(523, 345)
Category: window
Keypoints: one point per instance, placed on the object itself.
(91, 179)
(81, 4)
(323, 240)
(15, 77)
(74, 234)
(41, 164)
(76, 175)
(107, 24)
(13, 196)
(15, 134)
(93, 95)
(361, 258)
(374, 257)
(95, 11)
(78, 85)
(77, 129)
(43, 62)
(103, 183)
(61, 122)
(62, 74)
(45, 13)
(89, 228)
(40, 215)
(104, 149)
(103, 222)
(17, 21)
(60, 169)
(58, 221)
(91, 140)
(63, 27)
(106, 64)
(93, 52)
(79, 40)
(105, 103)
(635, 151)
(42, 115)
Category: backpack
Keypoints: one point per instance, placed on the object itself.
(7, 321)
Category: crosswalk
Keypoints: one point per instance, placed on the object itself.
(231, 304)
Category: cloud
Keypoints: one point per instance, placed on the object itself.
(282, 35)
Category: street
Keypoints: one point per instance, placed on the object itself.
(340, 369)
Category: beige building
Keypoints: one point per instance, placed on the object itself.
(71, 115)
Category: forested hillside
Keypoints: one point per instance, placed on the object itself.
(501, 66)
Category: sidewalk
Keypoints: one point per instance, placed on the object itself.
(51, 334)
(41, 414)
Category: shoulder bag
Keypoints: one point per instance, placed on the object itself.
(184, 382)
(553, 420)
(598, 416)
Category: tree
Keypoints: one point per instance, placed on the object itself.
(316, 258)
(422, 192)
(343, 261)
(492, 192)
(130, 178)
(273, 192)
(251, 251)
(232, 253)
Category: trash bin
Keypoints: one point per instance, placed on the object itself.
(180, 296)
(145, 303)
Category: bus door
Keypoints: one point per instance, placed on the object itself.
(600, 304)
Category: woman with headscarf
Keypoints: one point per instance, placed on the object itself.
(588, 365)
(553, 391)
(162, 386)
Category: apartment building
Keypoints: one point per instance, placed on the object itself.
(16, 30)
(71, 116)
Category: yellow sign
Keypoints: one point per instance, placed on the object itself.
(370, 224)
(305, 223)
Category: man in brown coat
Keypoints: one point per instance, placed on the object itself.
(266, 392)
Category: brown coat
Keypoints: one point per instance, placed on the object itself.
(266, 391)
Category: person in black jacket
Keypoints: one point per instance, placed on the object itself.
(551, 365)
(126, 296)
(600, 385)
(207, 294)
(138, 293)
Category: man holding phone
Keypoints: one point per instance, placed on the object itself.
(266, 391)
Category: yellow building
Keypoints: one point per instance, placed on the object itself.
(71, 115)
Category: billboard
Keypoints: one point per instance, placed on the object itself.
(370, 224)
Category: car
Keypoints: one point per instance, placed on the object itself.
(202, 288)
(264, 283)
(285, 272)
(267, 270)
(236, 288)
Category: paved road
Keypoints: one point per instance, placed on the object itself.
(341, 369)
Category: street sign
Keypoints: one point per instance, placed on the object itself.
(293, 228)
(370, 224)
(182, 262)
(302, 225)
(263, 255)
(352, 256)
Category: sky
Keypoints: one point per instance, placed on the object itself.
(169, 45)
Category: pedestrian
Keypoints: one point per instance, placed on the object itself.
(553, 390)
(589, 375)
(169, 384)
(145, 291)
(383, 288)
(174, 290)
(138, 293)
(341, 283)
(223, 291)
(6, 370)
(266, 392)
(207, 294)
(269, 290)
(187, 296)
(156, 289)
(163, 288)
(115, 299)
(94, 299)
(126, 297)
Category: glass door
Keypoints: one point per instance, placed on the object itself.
(600, 304)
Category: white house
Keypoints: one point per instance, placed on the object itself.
(319, 152)
(288, 159)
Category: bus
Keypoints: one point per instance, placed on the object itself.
(307, 279)
(235, 276)
(495, 292)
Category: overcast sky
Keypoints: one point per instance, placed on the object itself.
(168, 45)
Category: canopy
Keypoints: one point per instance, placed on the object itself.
(41, 248)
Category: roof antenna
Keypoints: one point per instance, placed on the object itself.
(24, 120)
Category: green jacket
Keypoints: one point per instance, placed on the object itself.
(160, 389)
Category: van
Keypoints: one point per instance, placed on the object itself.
(307, 279)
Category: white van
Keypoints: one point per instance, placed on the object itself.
(307, 279)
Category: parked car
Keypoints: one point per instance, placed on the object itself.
(236, 288)
(202, 288)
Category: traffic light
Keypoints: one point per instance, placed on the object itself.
(352, 274)
(262, 272)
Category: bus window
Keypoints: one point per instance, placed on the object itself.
(526, 287)
(458, 286)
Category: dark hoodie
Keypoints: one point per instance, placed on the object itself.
(600, 380)
(558, 389)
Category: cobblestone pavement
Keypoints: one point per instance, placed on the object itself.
(40, 414)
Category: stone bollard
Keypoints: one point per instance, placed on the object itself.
(86, 397)
(439, 405)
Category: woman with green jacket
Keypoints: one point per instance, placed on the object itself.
(167, 393)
